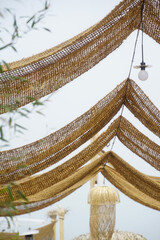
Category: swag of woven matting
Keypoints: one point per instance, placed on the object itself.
(51, 149)
(140, 187)
(39, 75)
(126, 133)
(42, 74)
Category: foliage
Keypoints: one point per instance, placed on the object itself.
(20, 26)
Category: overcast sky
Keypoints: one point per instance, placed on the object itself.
(67, 19)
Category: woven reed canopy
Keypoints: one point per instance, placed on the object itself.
(41, 74)
(52, 69)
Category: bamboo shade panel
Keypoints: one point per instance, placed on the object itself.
(39, 183)
(73, 182)
(39, 75)
(43, 153)
(141, 181)
(49, 150)
(142, 107)
(129, 189)
(127, 134)
(147, 184)
(138, 143)
(114, 175)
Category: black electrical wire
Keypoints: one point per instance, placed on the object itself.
(130, 69)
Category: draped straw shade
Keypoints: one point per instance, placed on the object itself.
(52, 69)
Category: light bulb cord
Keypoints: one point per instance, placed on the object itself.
(142, 46)
(141, 25)
(132, 60)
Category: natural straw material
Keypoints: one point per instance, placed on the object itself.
(41, 74)
(101, 195)
(115, 175)
(46, 72)
(49, 150)
(102, 212)
(129, 189)
(127, 134)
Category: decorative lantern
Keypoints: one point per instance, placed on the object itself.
(102, 212)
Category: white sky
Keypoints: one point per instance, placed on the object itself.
(69, 18)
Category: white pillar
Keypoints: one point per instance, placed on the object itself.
(61, 213)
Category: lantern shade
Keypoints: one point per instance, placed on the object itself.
(102, 212)
(103, 194)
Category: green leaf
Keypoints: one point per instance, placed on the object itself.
(22, 79)
(22, 195)
(26, 207)
(37, 103)
(10, 121)
(5, 145)
(7, 66)
(13, 184)
(1, 39)
(8, 222)
(10, 204)
(22, 166)
(30, 18)
(19, 131)
(1, 69)
(17, 125)
(4, 140)
(14, 21)
(7, 108)
(1, 131)
(40, 113)
(23, 114)
(5, 46)
(47, 29)
(14, 48)
(30, 98)
(46, 5)
(26, 110)
(33, 23)
(3, 190)
(10, 192)
(8, 10)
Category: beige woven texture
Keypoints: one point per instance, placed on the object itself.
(54, 68)
(130, 181)
(44, 73)
(39, 75)
(102, 221)
(49, 150)
(102, 211)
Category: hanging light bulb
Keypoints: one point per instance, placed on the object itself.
(143, 75)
